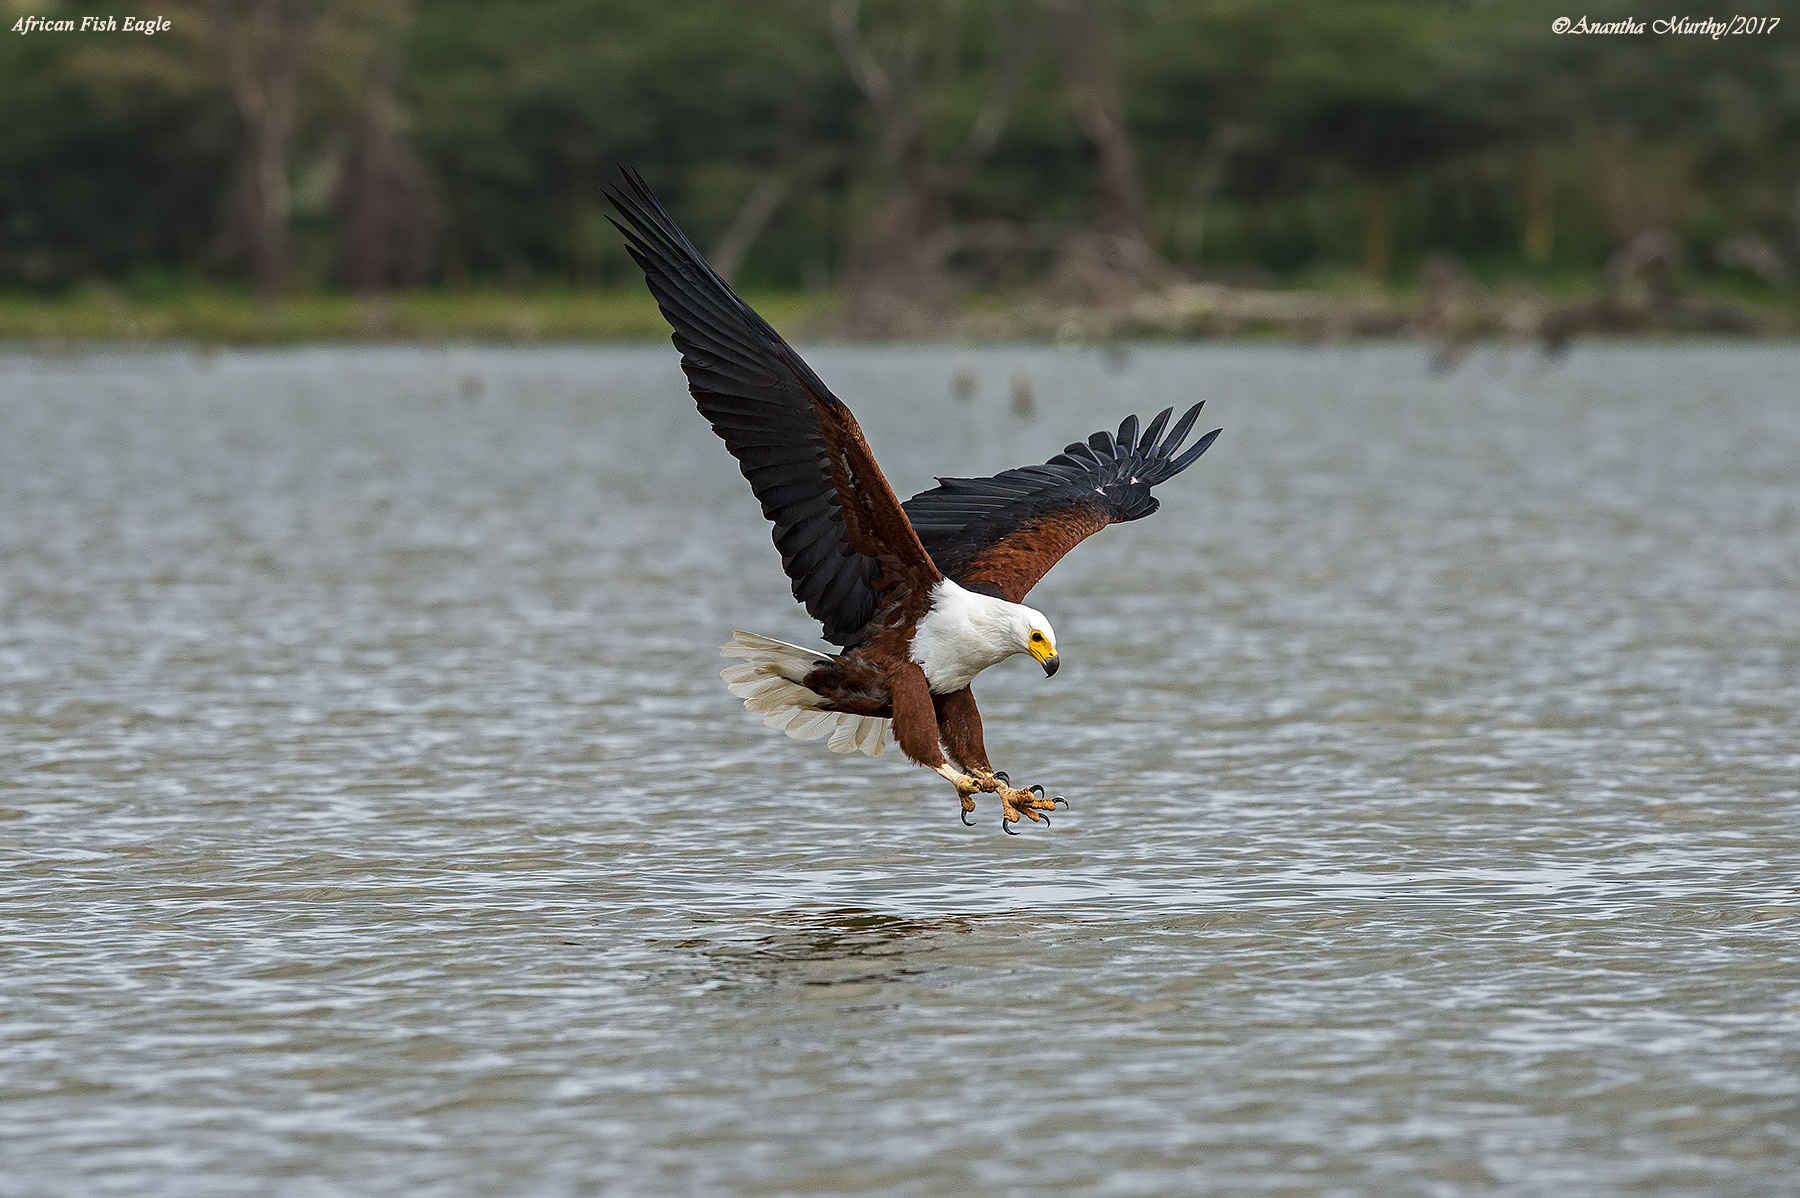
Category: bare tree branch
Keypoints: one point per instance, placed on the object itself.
(1013, 42)
(846, 32)
(383, 203)
(728, 252)
(1203, 180)
(898, 270)
(264, 52)
(1085, 45)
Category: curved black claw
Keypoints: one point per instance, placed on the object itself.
(1035, 789)
(1045, 816)
(1063, 801)
(1001, 774)
(966, 821)
(1006, 827)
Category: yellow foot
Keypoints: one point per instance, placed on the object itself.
(1029, 803)
(1015, 805)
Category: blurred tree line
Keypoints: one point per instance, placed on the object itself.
(905, 150)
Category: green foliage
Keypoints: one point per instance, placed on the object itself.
(522, 110)
(109, 162)
(1306, 137)
(212, 315)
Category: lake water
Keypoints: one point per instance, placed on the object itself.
(373, 818)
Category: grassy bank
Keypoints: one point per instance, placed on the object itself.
(233, 317)
(1321, 311)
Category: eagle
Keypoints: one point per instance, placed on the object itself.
(919, 597)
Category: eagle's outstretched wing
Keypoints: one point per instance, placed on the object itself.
(842, 534)
(1005, 532)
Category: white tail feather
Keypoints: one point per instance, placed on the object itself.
(812, 725)
(771, 684)
(871, 735)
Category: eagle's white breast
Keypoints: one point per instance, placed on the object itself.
(965, 632)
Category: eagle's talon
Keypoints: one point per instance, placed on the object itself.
(1035, 789)
(1063, 801)
(1006, 827)
(1002, 775)
(963, 815)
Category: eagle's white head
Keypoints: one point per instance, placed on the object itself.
(1033, 635)
(965, 632)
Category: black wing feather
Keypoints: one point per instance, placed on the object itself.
(1106, 479)
(755, 390)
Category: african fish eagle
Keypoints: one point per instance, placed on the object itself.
(919, 596)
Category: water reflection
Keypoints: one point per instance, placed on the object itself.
(846, 947)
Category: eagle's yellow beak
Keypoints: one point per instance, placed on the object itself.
(1045, 652)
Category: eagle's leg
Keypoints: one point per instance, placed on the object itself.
(959, 725)
(916, 732)
(966, 790)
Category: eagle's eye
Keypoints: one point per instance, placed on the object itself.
(1037, 636)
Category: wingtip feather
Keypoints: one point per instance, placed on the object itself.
(1179, 433)
(1128, 432)
(1148, 442)
(1193, 453)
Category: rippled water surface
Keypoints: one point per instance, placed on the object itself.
(373, 819)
